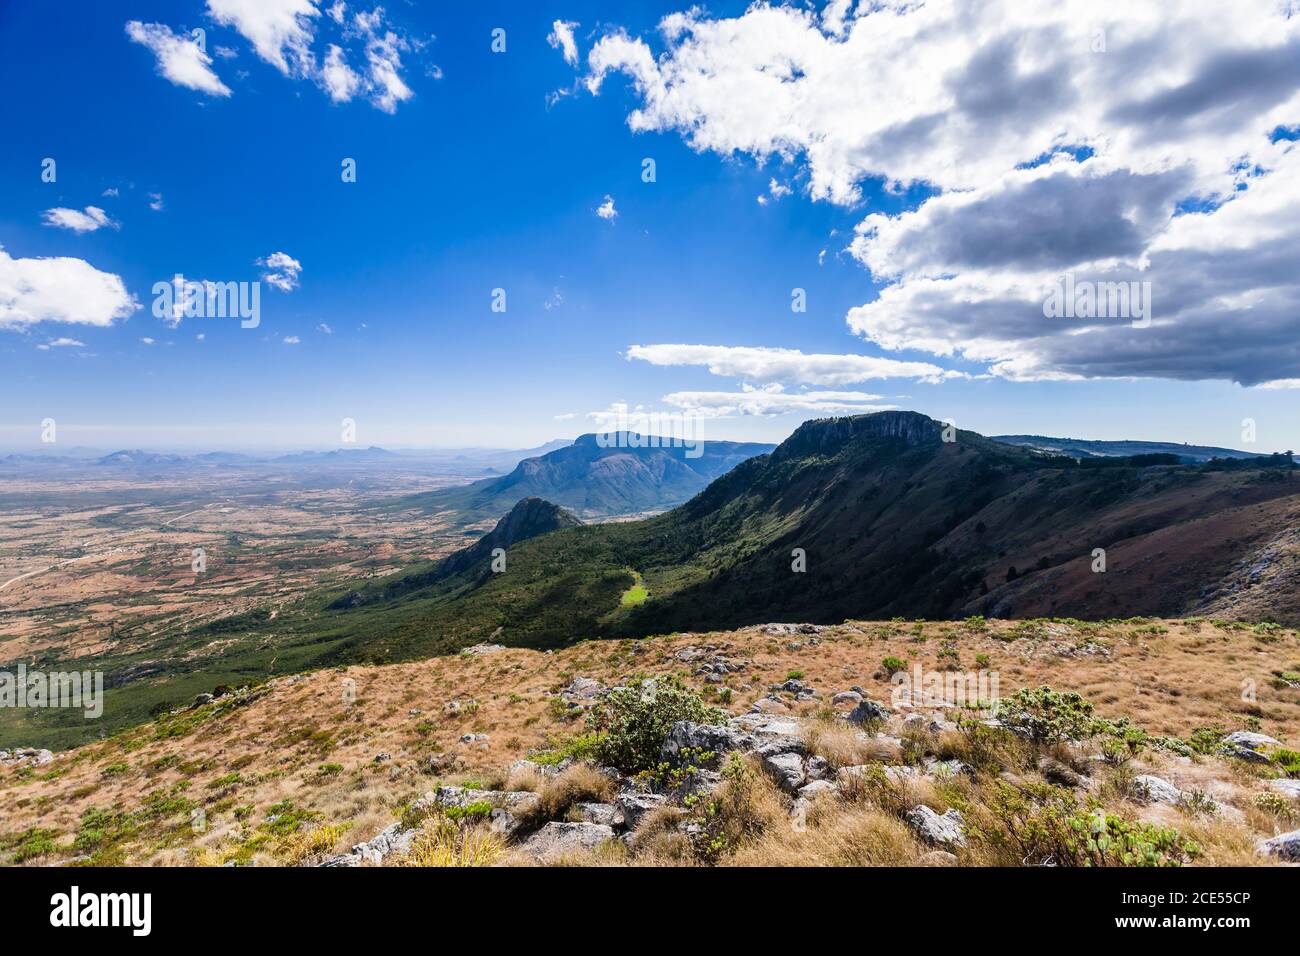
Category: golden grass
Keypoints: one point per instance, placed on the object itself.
(442, 843)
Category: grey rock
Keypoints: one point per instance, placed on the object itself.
(634, 805)
(768, 726)
(605, 814)
(1253, 741)
(483, 649)
(787, 770)
(514, 801)
(583, 688)
(946, 830)
(555, 841)
(819, 768)
(473, 738)
(686, 735)
(1288, 788)
(815, 789)
(1157, 789)
(200, 700)
(847, 697)
(1285, 847)
(768, 705)
(938, 858)
(868, 710)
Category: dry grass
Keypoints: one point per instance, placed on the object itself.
(441, 842)
(849, 836)
(580, 783)
(845, 745)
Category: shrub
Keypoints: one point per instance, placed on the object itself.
(633, 722)
(893, 665)
(1043, 714)
(1044, 825)
(443, 842)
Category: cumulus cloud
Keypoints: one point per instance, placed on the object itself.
(282, 271)
(280, 31)
(340, 80)
(180, 59)
(561, 38)
(1111, 141)
(89, 220)
(606, 209)
(60, 289)
(791, 366)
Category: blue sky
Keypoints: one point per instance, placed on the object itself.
(481, 179)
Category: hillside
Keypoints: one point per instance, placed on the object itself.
(595, 480)
(419, 763)
(887, 519)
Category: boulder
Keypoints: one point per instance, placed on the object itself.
(816, 788)
(868, 710)
(1157, 789)
(1285, 847)
(948, 829)
(849, 698)
(583, 688)
(787, 770)
(507, 805)
(938, 858)
(1246, 745)
(604, 814)
(634, 805)
(555, 841)
(819, 768)
(686, 735)
(1288, 788)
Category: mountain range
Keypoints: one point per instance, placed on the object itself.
(618, 473)
(1083, 448)
(876, 516)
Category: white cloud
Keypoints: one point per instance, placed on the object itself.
(110, 191)
(282, 271)
(1050, 136)
(180, 59)
(338, 12)
(88, 221)
(324, 329)
(291, 340)
(606, 209)
(61, 343)
(566, 417)
(60, 290)
(281, 31)
(156, 202)
(387, 88)
(147, 341)
(773, 400)
(767, 365)
(341, 81)
(561, 38)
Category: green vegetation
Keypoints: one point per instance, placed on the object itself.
(632, 723)
(636, 594)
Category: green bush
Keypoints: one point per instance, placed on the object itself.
(893, 665)
(1041, 824)
(1044, 714)
(633, 722)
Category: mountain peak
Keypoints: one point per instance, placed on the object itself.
(826, 436)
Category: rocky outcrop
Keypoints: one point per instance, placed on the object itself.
(556, 841)
(1285, 847)
(947, 830)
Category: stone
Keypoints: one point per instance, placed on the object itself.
(850, 698)
(382, 756)
(200, 700)
(473, 738)
(787, 770)
(948, 829)
(483, 649)
(555, 841)
(634, 805)
(819, 768)
(1285, 847)
(686, 735)
(583, 688)
(395, 840)
(1288, 788)
(768, 705)
(767, 726)
(868, 710)
(1157, 789)
(1245, 738)
(946, 768)
(816, 788)
(604, 814)
(512, 801)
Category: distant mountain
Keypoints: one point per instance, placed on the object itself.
(527, 519)
(614, 475)
(373, 453)
(873, 517)
(136, 457)
(1083, 448)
